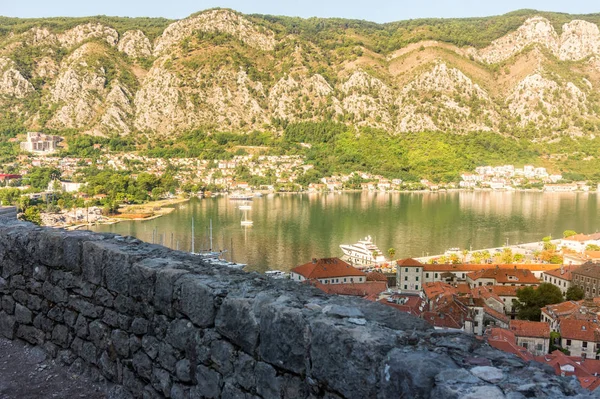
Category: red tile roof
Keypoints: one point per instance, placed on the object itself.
(583, 237)
(376, 276)
(505, 276)
(562, 309)
(432, 290)
(327, 268)
(582, 330)
(506, 341)
(563, 273)
(526, 328)
(538, 267)
(495, 314)
(411, 304)
(358, 289)
(409, 262)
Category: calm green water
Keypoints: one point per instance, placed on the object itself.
(292, 229)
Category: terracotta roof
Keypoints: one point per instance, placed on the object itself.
(504, 290)
(485, 293)
(590, 383)
(327, 268)
(441, 320)
(376, 276)
(582, 330)
(563, 273)
(537, 267)
(358, 289)
(588, 269)
(592, 254)
(526, 328)
(505, 276)
(505, 340)
(409, 262)
(412, 304)
(495, 314)
(584, 237)
(463, 288)
(563, 308)
(432, 290)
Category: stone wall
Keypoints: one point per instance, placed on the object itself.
(159, 323)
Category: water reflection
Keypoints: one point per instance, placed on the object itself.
(289, 230)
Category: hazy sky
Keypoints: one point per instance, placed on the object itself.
(372, 10)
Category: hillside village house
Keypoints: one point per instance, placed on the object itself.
(578, 310)
(531, 335)
(498, 276)
(580, 337)
(40, 143)
(579, 242)
(561, 277)
(581, 258)
(587, 277)
(328, 271)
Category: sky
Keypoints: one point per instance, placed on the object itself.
(371, 10)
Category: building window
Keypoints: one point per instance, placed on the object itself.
(351, 279)
(524, 345)
(337, 280)
(436, 275)
(426, 275)
(406, 269)
(405, 287)
(568, 342)
(416, 286)
(417, 278)
(584, 344)
(405, 278)
(539, 347)
(344, 279)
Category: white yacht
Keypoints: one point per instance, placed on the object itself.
(363, 253)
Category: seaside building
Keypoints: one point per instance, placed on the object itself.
(328, 271)
(531, 335)
(580, 337)
(561, 277)
(501, 276)
(587, 277)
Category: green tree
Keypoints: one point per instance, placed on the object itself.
(592, 247)
(32, 214)
(392, 252)
(575, 293)
(569, 233)
(530, 301)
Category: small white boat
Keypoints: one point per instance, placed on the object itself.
(245, 207)
(276, 274)
(240, 196)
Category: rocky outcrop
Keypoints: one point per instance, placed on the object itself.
(367, 99)
(579, 39)
(78, 90)
(159, 104)
(161, 323)
(12, 83)
(81, 33)
(119, 111)
(135, 44)
(302, 98)
(537, 99)
(536, 30)
(216, 21)
(444, 98)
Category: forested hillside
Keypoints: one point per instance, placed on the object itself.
(526, 80)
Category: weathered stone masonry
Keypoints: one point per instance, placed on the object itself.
(159, 323)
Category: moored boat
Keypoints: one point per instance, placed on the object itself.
(363, 253)
(240, 196)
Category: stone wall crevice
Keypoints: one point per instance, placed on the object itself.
(160, 323)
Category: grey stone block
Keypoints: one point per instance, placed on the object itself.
(161, 381)
(236, 320)
(150, 346)
(142, 364)
(222, 354)
(196, 301)
(208, 383)
(139, 326)
(268, 385)
(183, 370)
(30, 334)
(181, 334)
(8, 304)
(54, 293)
(23, 315)
(120, 340)
(99, 333)
(8, 325)
(163, 293)
(61, 336)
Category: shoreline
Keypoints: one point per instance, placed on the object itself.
(154, 208)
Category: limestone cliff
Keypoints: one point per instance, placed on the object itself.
(222, 70)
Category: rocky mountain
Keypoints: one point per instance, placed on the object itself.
(527, 73)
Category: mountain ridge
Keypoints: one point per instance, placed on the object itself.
(222, 70)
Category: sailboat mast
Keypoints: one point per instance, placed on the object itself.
(211, 238)
(193, 235)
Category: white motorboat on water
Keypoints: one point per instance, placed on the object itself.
(240, 196)
(363, 253)
(276, 274)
